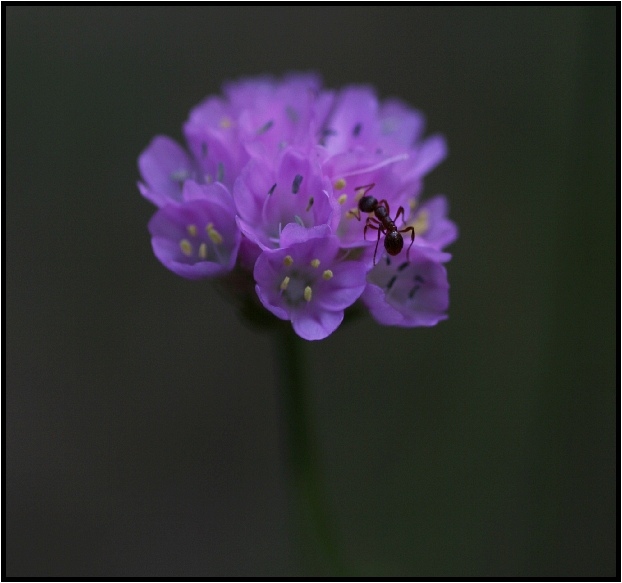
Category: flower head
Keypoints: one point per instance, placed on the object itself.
(270, 184)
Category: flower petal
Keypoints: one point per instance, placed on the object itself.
(316, 325)
(164, 166)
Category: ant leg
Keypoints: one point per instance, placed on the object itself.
(356, 213)
(376, 249)
(370, 223)
(412, 239)
(400, 211)
(363, 190)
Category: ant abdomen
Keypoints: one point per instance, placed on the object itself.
(393, 242)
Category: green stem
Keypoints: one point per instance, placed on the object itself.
(302, 453)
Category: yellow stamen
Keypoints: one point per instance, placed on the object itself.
(225, 123)
(192, 230)
(308, 293)
(213, 234)
(186, 247)
(412, 203)
(328, 274)
(288, 260)
(342, 199)
(421, 222)
(360, 193)
(203, 251)
(339, 184)
(285, 283)
(315, 263)
(353, 212)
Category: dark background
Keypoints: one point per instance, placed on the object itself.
(142, 417)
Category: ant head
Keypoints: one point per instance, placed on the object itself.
(368, 204)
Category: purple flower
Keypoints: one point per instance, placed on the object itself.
(432, 227)
(277, 115)
(409, 293)
(294, 192)
(213, 137)
(306, 281)
(270, 186)
(198, 237)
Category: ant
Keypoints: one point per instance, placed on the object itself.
(383, 223)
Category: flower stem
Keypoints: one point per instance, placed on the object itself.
(302, 453)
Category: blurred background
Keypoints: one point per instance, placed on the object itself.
(143, 435)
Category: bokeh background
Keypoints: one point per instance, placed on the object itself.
(142, 417)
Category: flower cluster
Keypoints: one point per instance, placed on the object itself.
(308, 199)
